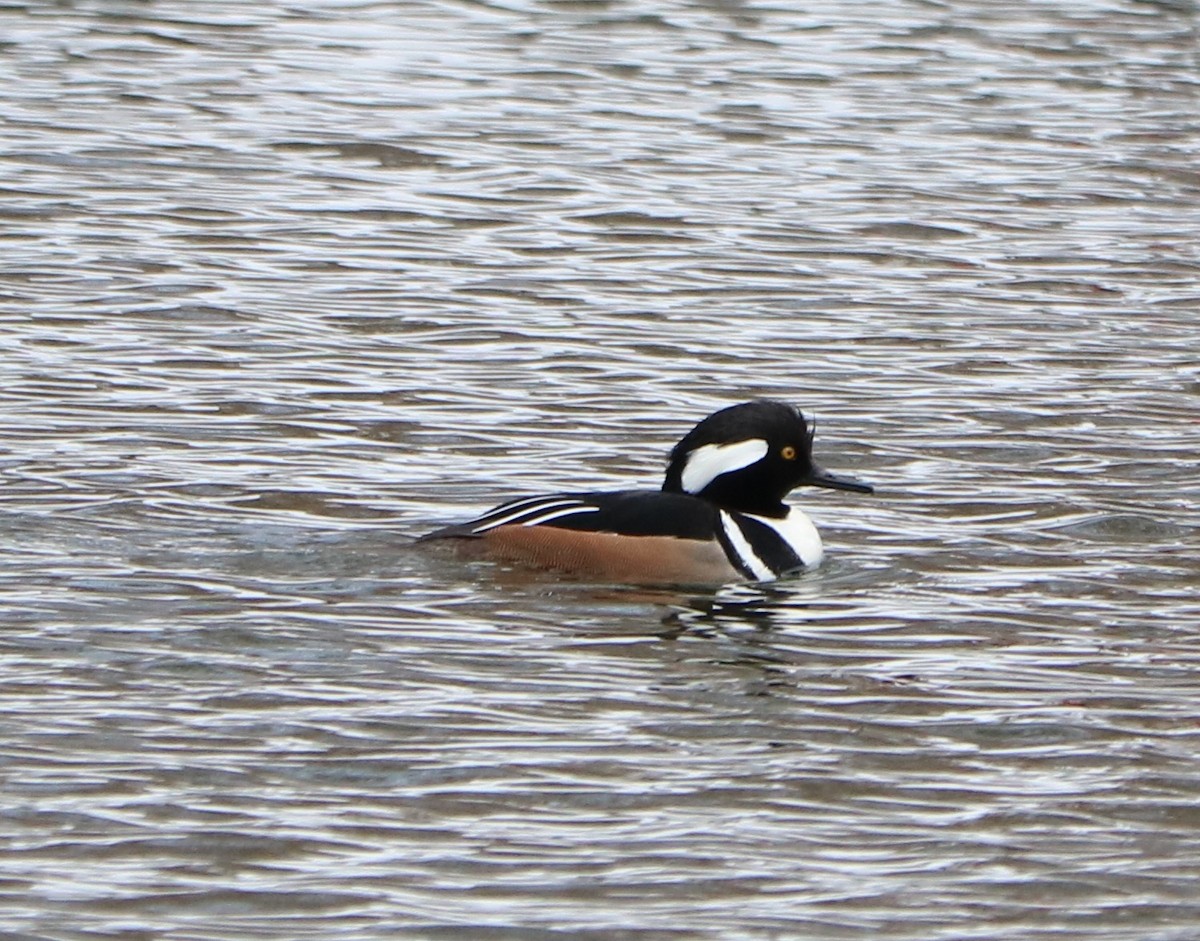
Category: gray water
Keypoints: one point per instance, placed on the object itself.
(284, 285)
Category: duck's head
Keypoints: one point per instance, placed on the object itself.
(749, 457)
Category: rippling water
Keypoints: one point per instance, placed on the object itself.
(285, 284)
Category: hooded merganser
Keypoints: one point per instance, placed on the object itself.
(720, 515)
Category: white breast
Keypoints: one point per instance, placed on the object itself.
(798, 531)
(754, 555)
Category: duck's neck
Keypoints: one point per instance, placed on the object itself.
(729, 496)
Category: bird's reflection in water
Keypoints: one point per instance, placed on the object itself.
(733, 608)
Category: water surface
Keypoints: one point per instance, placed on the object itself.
(285, 285)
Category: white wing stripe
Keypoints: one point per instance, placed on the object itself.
(515, 512)
(570, 511)
(511, 511)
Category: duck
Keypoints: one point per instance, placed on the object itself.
(720, 516)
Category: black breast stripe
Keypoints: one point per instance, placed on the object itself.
(769, 547)
(734, 555)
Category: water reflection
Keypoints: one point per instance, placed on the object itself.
(284, 287)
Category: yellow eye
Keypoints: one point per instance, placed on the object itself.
(788, 453)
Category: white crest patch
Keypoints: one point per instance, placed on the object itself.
(707, 463)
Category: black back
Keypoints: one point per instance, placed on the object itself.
(626, 512)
